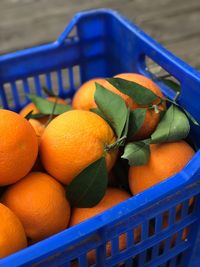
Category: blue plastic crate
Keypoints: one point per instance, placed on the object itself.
(103, 43)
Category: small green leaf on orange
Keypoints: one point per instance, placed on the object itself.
(98, 112)
(137, 153)
(113, 107)
(89, 187)
(120, 141)
(136, 121)
(37, 116)
(174, 126)
(141, 94)
(126, 126)
(190, 117)
(46, 107)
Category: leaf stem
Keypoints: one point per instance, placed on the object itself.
(51, 115)
(172, 101)
(155, 107)
(115, 145)
(28, 115)
(48, 92)
(147, 141)
(176, 96)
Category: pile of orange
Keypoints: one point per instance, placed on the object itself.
(34, 175)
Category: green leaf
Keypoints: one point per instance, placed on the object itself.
(98, 112)
(175, 86)
(162, 113)
(89, 187)
(190, 117)
(46, 107)
(52, 112)
(136, 121)
(37, 116)
(136, 153)
(141, 94)
(174, 126)
(126, 127)
(28, 115)
(113, 107)
(120, 141)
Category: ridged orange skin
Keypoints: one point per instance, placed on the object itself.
(18, 147)
(84, 96)
(84, 99)
(74, 140)
(12, 235)
(112, 197)
(40, 203)
(165, 160)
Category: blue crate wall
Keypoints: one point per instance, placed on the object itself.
(92, 32)
(124, 51)
(107, 47)
(158, 245)
(27, 68)
(86, 51)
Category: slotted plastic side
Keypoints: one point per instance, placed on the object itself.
(53, 72)
(59, 66)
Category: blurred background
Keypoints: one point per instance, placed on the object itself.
(174, 23)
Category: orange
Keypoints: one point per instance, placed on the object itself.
(165, 160)
(39, 202)
(84, 99)
(12, 235)
(112, 197)
(84, 96)
(39, 124)
(18, 147)
(74, 140)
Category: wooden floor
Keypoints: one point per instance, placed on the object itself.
(174, 23)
